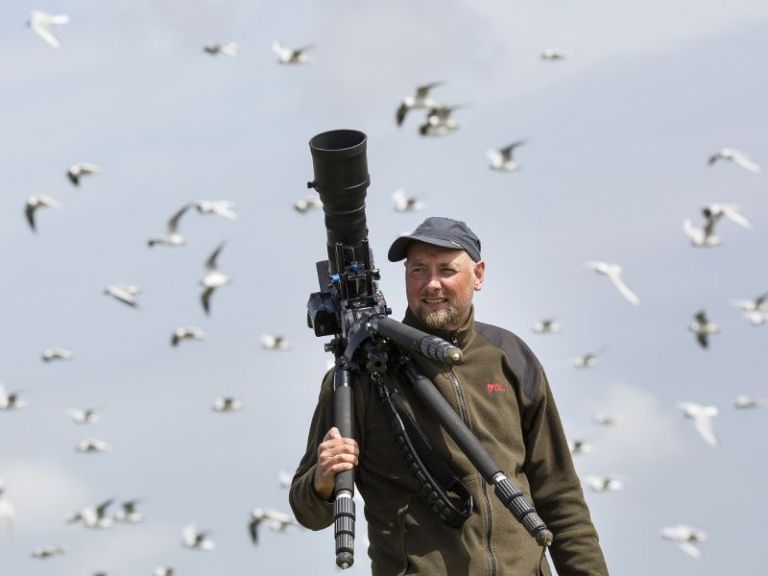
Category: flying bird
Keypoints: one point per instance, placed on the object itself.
(702, 237)
(45, 552)
(439, 121)
(93, 516)
(304, 205)
(77, 171)
(602, 419)
(172, 238)
(702, 417)
(10, 401)
(278, 521)
(405, 203)
(42, 24)
(127, 514)
(686, 538)
(579, 447)
(756, 311)
(554, 54)
(91, 446)
(747, 403)
(613, 271)
(186, 333)
(194, 539)
(213, 279)
(419, 100)
(231, 49)
(735, 156)
(226, 404)
(34, 203)
(603, 483)
(84, 416)
(501, 158)
(7, 512)
(124, 293)
(730, 211)
(546, 326)
(165, 571)
(51, 354)
(274, 342)
(703, 328)
(588, 360)
(222, 208)
(287, 55)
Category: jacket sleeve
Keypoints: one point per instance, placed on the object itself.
(556, 489)
(311, 510)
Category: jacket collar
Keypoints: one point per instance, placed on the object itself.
(461, 337)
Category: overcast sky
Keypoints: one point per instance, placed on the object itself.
(617, 142)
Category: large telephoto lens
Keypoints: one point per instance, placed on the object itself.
(341, 179)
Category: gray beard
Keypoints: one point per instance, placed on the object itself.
(442, 319)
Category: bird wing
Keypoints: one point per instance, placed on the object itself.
(745, 162)
(205, 298)
(43, 29)
(625, 290)
(733, 214)
(210, 264)
(173, 223)
(29, 212)
(253, 530)
(689, 549)
(402, 110)
(422, 91)
(705, 427)
(507, 150)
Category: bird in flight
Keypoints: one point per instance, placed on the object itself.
(42, 23)
(686, 538)
(614, 273)
(34, 203)
(702, 328)
(419, 100)
(287, 55)
(501, 158)
(231, 49)
(702, 417)
(213, 279)
(77, 171)
(735, 156)
(172, 238)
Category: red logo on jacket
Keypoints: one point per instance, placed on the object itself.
(495, 387)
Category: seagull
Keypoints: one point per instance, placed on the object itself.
(501, 158)
(227, 404)
(93, 516)
(686, 538)
(45, 552)
(702, 420)
(36, 202)
(274, 342)
(734, 156)
(603, 483)
(186, 333)
(10, 401)
(702, 328)
(42, 23)
(278, 521)
(219, 208)
(7, 512)
(231, 49)
(546, 326)
(702, 237)
(50, 354)
(746, 402)
(165, 571)
(92, 446)
(86, 416)
(602, 419)
(287, 55)
(173, 238)
(439, 121)
(613, 271)
(128, 514)
(404, 203)
(214, 279)
(77, 171)
(756, 311)
(579, 447)
(420, 99)
(124, 293)
(554, 54)
(196, 540)
(730, 211)
(304, 205)
(588, 360)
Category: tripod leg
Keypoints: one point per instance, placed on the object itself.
(344, 492)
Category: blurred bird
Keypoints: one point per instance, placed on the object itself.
(588, 360)
(613, 271)
(173, 238)
(77, 171)
(579, 447)
(602, 419)
(51, 354)
(92, 446)
(7, 513)
(128, 513)
(274, 342)
(93, 516)
(196, 540)
(603, 483)
(45, 552)
(756, 311)
(439, 121)
(703, 237)
(734, 156)
(747, 402)
(405, 203)
(702, 328)
(165, 571)
(227, 404)
(85, 416)
(186, 333)
(307, 203)
(287, 55)
(124, 293)
(730, 211)
(42, 23)
(546, 326)
(284, 479)
(231, 49)
(702, 420)
(501, 158)
(34, 203)
(10, 401)
(554, 54)
(278, 521)
(685, 537)
(219, 208)
(419, 100)
(213, 279)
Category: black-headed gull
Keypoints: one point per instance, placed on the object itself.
(419, 100)
(77, 171)
(304, 205)
(231, 49)
(42, 23)
(405, 203)
(186, 333)
(195, 539)
(125, 293)
(579, 447)
(747, 403)
(10, 400)
(84, 416)
(735, 156)
(603, 483)
(92, 446)
(685, 537)
(213, 279)
(287, 55)
(34, 203)
(225, 404)
(277, 521)
(45, 552)
(222, 208)
(546, 326)
(613, 271)
(702, 417)
(439, 121)
(702, 237)
(172, 238)
(756, 311)
(93, 516)
(555, 54)
(501, 159)
(274, 342)
(51, 354)
(127, 514)
(703, 328)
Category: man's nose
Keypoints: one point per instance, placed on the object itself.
(434, 281)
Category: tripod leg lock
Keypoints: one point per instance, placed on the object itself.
(514, 500)
(344, 529)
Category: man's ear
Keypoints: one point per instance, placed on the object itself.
(479, 274)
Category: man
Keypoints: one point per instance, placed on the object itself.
(501, 393)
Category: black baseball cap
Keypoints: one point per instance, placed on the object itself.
(438, 231)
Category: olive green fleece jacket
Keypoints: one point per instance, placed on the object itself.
(502, 394)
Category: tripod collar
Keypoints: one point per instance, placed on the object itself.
(461, 337)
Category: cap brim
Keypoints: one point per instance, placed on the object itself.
(399, 247)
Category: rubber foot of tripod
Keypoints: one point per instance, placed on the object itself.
(344, 560)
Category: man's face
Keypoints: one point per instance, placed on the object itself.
(439, 284)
